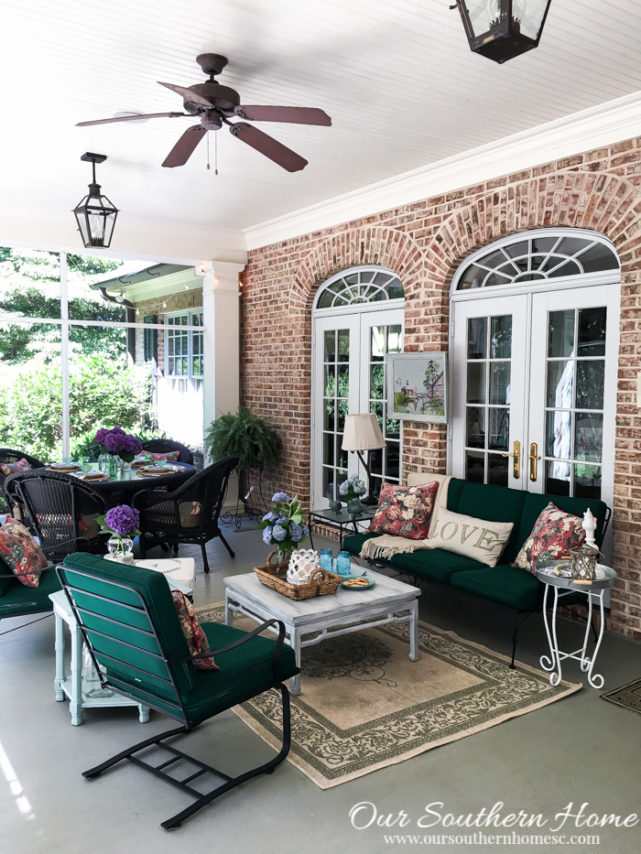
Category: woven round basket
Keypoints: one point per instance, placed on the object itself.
(274, 575)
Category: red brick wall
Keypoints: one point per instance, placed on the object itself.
(423, 243)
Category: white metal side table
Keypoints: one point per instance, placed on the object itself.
(564, 585)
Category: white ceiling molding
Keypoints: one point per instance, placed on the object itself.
(608, 123)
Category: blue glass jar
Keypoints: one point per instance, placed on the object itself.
(343, 563)
(326, 560)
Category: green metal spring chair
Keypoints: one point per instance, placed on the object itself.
(130, 625)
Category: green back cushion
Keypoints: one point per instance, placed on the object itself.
(138, 663)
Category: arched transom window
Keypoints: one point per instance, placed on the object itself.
(360, 285)
(536, 256)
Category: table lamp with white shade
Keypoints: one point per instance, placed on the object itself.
(363, 434)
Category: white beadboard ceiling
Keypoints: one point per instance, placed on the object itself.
(396, 76)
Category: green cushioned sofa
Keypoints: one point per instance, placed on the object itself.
(503, 584)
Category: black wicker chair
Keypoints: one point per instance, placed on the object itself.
(59, 510)
(164, 446)
(189, 514)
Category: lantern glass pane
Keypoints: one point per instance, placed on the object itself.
(482, 14)
(529, 14)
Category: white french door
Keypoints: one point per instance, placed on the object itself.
(534, 390)
(349, 352)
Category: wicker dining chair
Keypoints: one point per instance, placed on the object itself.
(164, 446)
(60, 510)
(189, 514)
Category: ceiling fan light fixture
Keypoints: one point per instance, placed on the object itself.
(94, 213)
(502, 29)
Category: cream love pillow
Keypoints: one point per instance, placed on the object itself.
(476, 538)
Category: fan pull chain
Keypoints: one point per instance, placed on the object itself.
(215, 154)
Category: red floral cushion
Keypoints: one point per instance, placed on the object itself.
(192, 630)
(11, 468)
(405, 511)
(555, 532)
(170, 456)
(21, 553)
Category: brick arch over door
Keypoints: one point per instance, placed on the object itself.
(575, 199)
(385, 247)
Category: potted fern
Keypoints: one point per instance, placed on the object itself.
(244, 435)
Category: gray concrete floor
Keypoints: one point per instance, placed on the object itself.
(580, 750)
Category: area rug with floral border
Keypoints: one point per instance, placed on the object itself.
(364, 705)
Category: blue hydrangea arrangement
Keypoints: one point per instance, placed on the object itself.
(284, 526)
(352, 488)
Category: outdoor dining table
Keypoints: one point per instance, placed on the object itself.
(122, 486)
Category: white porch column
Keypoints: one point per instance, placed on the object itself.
(221, 344)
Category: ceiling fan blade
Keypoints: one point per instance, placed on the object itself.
(135, 118)
(268, 146)
(188, 95)
(184, 148)
(295, 115)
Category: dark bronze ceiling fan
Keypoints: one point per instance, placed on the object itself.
(215, 105)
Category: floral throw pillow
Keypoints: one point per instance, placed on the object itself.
(555, 532)
(405, 511)
(192, 630)
(21, 553)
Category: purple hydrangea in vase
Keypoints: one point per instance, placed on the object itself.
(120, 444)
(122, 522)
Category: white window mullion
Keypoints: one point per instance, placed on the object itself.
(64, 352)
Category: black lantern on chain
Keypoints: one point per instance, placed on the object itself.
(503, 29)
(95, 214)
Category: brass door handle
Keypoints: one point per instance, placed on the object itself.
(516, 454)
(534, 460)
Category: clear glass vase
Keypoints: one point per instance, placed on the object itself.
(120, 548)
(354, 505)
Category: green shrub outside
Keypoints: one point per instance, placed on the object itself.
(101, 394)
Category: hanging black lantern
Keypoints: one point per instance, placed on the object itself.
(95, 214)
(503, 29)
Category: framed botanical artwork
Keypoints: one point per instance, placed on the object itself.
(417, 386)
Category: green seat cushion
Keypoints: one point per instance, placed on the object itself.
(503, 584)
(18, 599)
(243, 672)
(435, 564)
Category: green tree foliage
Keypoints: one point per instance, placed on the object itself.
(30, 288)
(103, 391)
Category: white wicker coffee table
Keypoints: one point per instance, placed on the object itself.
(311, 621)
